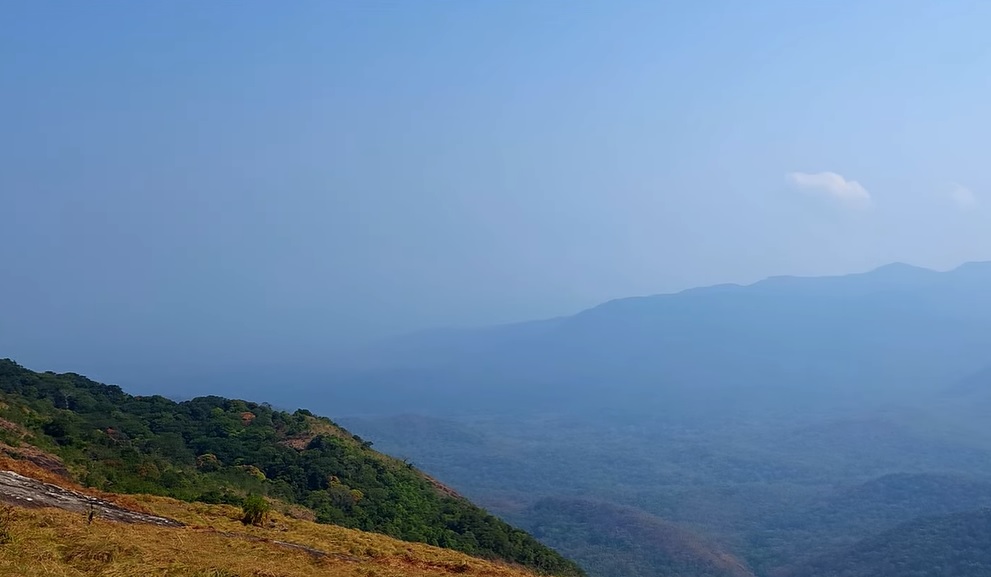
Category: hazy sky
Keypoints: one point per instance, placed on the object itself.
(214, 181)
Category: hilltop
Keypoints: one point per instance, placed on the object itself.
(225, 451)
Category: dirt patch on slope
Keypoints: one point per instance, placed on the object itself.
(45, 461)
(441, 487)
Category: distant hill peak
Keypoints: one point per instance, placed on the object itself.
(883, 278)
(975, 265)
(899, 267)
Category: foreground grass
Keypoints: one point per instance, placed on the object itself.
(53, 542)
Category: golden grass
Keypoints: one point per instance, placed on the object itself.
(52, 542)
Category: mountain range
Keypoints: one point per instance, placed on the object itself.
(781, 341)
(773, 422)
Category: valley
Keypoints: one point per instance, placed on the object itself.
(774, 464)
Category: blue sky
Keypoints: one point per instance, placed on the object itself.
(208, 182)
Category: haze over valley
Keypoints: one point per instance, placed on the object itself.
(774, 423)
(530, 287)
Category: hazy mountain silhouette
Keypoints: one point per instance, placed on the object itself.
(780, 341)
(976, 385)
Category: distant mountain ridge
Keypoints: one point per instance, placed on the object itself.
(782, 337)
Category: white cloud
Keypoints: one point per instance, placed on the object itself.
(849, 192)
(963, 197)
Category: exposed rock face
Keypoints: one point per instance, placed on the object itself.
(27, 492)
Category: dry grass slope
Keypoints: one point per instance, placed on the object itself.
(52, 542)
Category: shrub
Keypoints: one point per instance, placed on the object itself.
(255, 509)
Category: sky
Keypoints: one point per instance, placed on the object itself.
(203, 184)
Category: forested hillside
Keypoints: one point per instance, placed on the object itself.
(949, 546)
(853, 514)
(213, 449)
(772, 493)
(613, 541)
